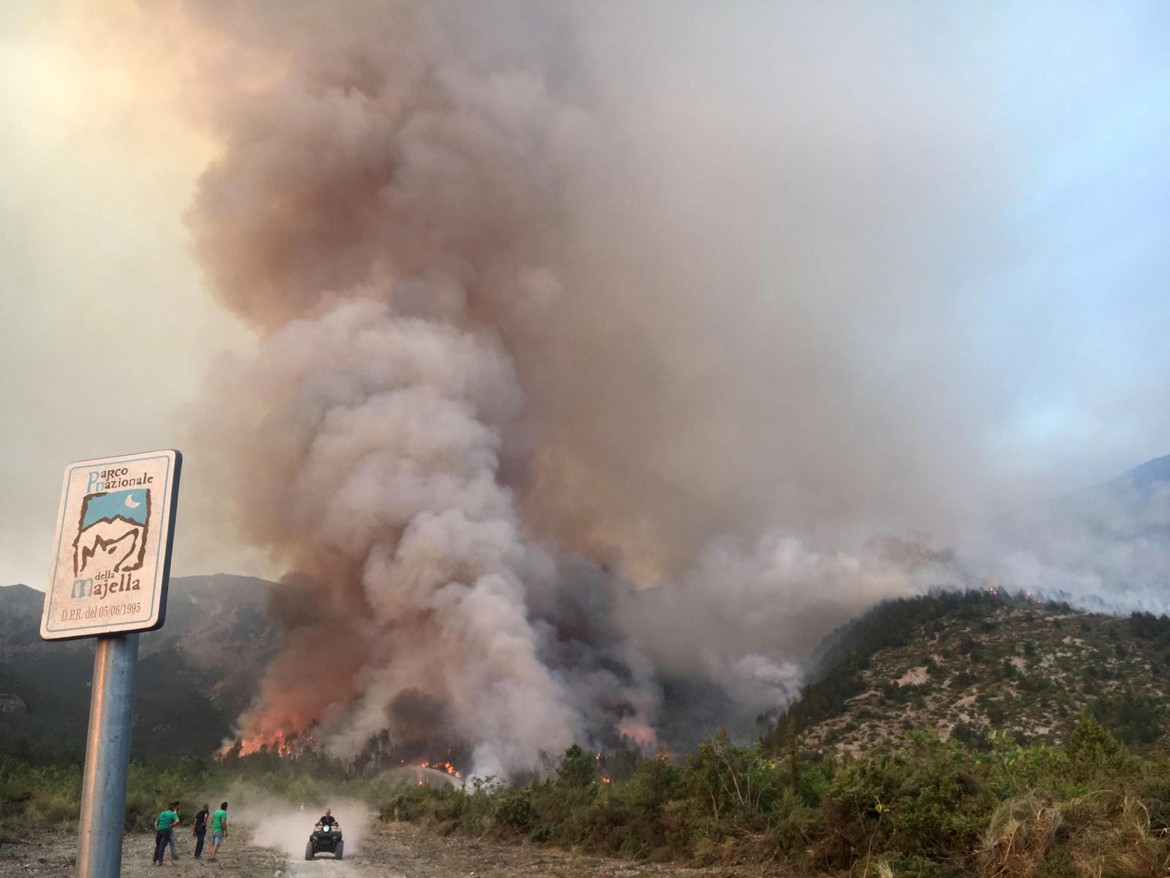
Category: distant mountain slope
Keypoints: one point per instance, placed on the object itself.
(194, 676)
(1143, 477)
(1138, 498)
(965, 664)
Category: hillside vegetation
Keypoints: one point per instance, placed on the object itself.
(193, 678)
(966, 664)
(1086, 808)
(954, 734)
(927, 807)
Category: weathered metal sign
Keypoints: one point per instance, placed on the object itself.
(111, 559)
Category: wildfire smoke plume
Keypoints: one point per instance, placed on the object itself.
(386, 213)
(556, 302)
(470, 420)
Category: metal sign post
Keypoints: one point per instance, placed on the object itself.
(108, 579)
(107, 755)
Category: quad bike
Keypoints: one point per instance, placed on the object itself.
(325, 839)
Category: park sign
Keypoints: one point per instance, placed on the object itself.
(112, 552)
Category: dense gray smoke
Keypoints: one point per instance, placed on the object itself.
(389, 211)
(559, 302)
(373, 467)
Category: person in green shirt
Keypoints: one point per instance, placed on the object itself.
(218, 829)
(164, 825)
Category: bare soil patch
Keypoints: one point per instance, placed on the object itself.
(388, 851)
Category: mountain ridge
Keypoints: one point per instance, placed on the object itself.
(194, 676)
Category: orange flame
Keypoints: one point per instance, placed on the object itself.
(641, 734)
(281, 743)
(442, 766)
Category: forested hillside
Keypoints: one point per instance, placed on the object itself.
(193, 677)
(965, 664)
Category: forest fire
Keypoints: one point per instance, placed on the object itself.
(446, 767)
(279, 743)
(639, 733)
(427, 773)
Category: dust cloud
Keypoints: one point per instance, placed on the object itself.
(285, 826)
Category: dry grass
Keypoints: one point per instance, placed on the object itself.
(1098, 835)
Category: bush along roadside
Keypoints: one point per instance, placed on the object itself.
(932, 807)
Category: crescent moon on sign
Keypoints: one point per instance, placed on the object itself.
(130, 502)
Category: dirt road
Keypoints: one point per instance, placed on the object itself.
(388, 851)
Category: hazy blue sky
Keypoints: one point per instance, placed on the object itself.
(1058, 116)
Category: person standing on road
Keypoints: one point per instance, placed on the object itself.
(178, 820)
(200, 830)
(164, 825)
(218, 830)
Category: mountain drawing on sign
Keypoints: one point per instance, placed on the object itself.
(112, 532)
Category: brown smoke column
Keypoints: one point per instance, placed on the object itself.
(383, 212)
(543, 284)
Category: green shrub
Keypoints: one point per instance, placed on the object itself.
(517, 813)
(919, 802)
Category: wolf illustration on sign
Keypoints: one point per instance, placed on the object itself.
(113, 529)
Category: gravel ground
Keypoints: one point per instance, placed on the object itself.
(388, 851)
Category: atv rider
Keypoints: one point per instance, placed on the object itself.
(325, 838)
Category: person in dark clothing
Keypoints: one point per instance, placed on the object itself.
(327, 820)
(200, 831)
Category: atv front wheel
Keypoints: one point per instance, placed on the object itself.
(337, 850)
(309, 851)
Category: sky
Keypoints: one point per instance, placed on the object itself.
(976, 193)
(107, 328)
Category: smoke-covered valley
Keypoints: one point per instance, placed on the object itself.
(602, 344)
